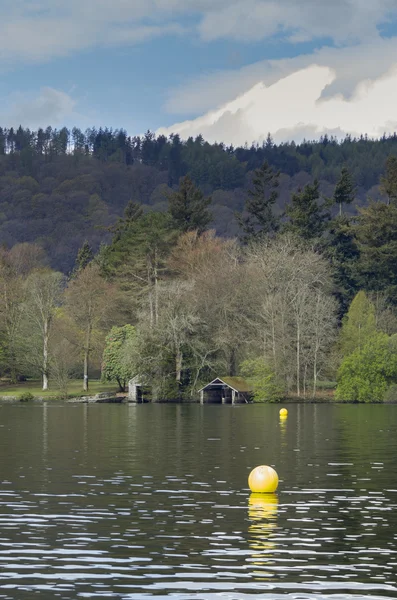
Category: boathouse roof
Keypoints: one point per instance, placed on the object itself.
(238, 384)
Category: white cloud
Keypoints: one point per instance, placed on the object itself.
(351, 65)
(43, 29)
(29, 110)
(293, 108)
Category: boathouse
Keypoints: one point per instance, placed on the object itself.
(226, 390)
(135, 391)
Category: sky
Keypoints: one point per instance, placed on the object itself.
(231, 70)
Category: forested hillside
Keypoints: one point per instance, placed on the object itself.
(110, 262)
(59, 188)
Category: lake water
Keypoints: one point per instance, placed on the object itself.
(135, 502)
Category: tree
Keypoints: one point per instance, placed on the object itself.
(343, 253)
(188, 207)
(44, 288)
(344, 192)
(90, 306)
(15, 266)
(261, 219)
(358, 326)
(262, 379)
(137, 259)
(307, 219)
(288, 309)
(114, 367)
(367, 373)
(84, 256)
(376, 235)
(388, 183)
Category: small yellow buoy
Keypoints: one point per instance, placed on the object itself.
(283, 412)
(263, 479)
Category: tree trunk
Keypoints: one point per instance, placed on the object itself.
(156, 289)
(86, 357)
(315, 375)
(232, 363)
(178, 365)
(298, 364)
(85, 376)
(45, 355)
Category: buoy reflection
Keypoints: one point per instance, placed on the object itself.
(262, 512)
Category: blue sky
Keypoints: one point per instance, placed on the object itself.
(231, 69)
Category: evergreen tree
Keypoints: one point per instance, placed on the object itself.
(388, 183)
(84, 257)
(345, 190)
(188, 207)
(376, 234)
(260, 219)
(307, 219)
(343, 254)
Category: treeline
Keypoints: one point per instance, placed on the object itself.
(216, 165)
(59, 188)
(168, 301)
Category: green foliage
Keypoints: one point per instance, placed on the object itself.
(390, 396)
(262, 379)
(261, 219)
(114, 366)
(84, 256)
(343, 253)
(26, 397)
(359, 325)
(376, 233)
(367, 373)
(307, 219)
(189, 208)
(389, 180)
(345, 191)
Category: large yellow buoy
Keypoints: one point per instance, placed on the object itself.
(283, 412)
(263, 479)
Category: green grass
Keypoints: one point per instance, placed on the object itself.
(75, 388)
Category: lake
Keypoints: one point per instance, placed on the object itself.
(144, 501)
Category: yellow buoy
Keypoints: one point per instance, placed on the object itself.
(263, 479)
(283, 412)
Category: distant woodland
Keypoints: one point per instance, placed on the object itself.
(59, 188)
(175, 262)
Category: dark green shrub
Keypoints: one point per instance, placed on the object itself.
(26, 397)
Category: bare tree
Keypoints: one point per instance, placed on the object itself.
(91, 305)
(288, 280)
(43, 295)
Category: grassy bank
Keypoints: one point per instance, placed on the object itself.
(75, 388)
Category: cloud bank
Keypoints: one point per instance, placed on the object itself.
(296, 106)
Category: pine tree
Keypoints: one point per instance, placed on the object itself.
(84, 257)
(260, 219)
(307, 219)
(345, 190)
(376, 234)
(188, 207)
(343, 254)
(388, 183)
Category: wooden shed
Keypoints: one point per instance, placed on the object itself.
(226, 390)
